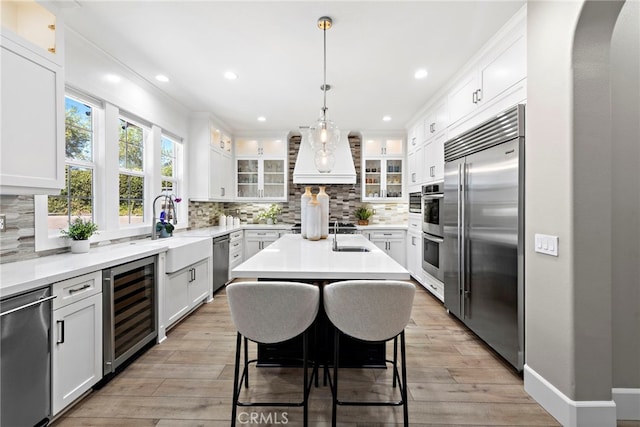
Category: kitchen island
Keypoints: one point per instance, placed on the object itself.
(293, 258)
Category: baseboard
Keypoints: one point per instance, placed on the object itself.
(570, 413)
(627, 403)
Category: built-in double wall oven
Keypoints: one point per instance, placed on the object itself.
(432, 230)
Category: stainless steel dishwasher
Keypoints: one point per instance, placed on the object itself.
(25, 359)
(220, 261)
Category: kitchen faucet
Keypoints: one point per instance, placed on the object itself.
(170, 198)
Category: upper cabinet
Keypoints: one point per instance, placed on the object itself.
(210, 160)
(261, 168)
(32, 109)
(497, 82)
(383, 168)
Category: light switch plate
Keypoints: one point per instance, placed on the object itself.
(3, 223)
(546, 244)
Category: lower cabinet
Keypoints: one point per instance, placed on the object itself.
(76, 354)
(185, 290)
(257, 240)
(414, 255)
(235, 250)
(390, 241)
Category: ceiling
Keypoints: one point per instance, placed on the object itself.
(276, 49)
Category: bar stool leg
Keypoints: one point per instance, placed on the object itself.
(246, 363)
(336, 362)
(403, 388)
(395, 360)
(236, 373)
(305, 381)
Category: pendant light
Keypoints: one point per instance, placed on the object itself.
(324, 135)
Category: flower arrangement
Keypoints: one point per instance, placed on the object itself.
(80, 229)
(363, 214)
(271, 214)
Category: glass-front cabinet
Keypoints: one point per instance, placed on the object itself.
(261, 168)
(383, 169)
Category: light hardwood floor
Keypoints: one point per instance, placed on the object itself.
(186, 381)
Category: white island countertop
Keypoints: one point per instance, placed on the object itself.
(292, 257)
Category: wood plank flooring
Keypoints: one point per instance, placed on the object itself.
(186, 381)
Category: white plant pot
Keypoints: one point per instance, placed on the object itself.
(269, 221)
(79, 246)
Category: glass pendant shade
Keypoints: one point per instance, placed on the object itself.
(324, 134)
(324, 160)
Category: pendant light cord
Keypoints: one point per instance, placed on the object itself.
(324, 85)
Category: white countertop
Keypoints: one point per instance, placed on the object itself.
(292, 257)
(22, 276)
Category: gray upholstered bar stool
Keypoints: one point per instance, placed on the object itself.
(268, 313)
(373, 311)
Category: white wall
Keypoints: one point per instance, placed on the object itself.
(582, 184)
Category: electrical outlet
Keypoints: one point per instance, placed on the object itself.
(3, 223)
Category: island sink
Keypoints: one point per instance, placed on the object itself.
(351, 249)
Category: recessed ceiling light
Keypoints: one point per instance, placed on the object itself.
(386, 118)
(421, 74)
(162, 78)
(262, 119)
(230, 75)
(113, 78)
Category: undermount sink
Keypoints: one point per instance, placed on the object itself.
(351, 249)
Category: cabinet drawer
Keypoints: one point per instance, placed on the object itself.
(235, 246)
(386, 234)
(415, 224)
(235, 260)
(434, 286)
(75, 289)
(263, 234)
(235, 236)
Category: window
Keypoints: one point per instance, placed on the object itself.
(131, 176)
(169, 152)
(77, 197)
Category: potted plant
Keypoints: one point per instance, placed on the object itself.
(363, 214)
(164, 228)
(79, 232)
(271, 214)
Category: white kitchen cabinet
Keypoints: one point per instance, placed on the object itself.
(495, 83)
(434, 286)
(32, 106)
(389, 240)
(258, 239)
(433, 159)
(416, 169)
(436, 121)
(76, 356)
(185, 290)
(235, 250)
(210, 160)
(383, 167)
(261, 169)
(414, 255)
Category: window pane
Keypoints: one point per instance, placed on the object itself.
(131, 146)
(167, 186)
(167, 157)
(131, 190)
(78, 130)
(75, 199)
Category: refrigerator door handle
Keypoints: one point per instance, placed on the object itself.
(460, 236)
(466, 292)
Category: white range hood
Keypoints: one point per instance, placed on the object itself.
(344, 171)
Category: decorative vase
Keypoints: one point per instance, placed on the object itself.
(304, 201)
(269, 221)
(164, 233)
(323, 198)
(363, 222)
(79, 246)
(314, 218)
(222, 220)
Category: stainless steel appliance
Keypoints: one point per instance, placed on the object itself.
(483, 232)
(220, 261)
(433, 255)
(415, 202)
(25, 359)
(432, 196)
(130, 314)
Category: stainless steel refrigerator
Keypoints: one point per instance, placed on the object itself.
(483, 232)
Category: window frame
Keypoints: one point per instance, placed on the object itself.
(105, 178)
